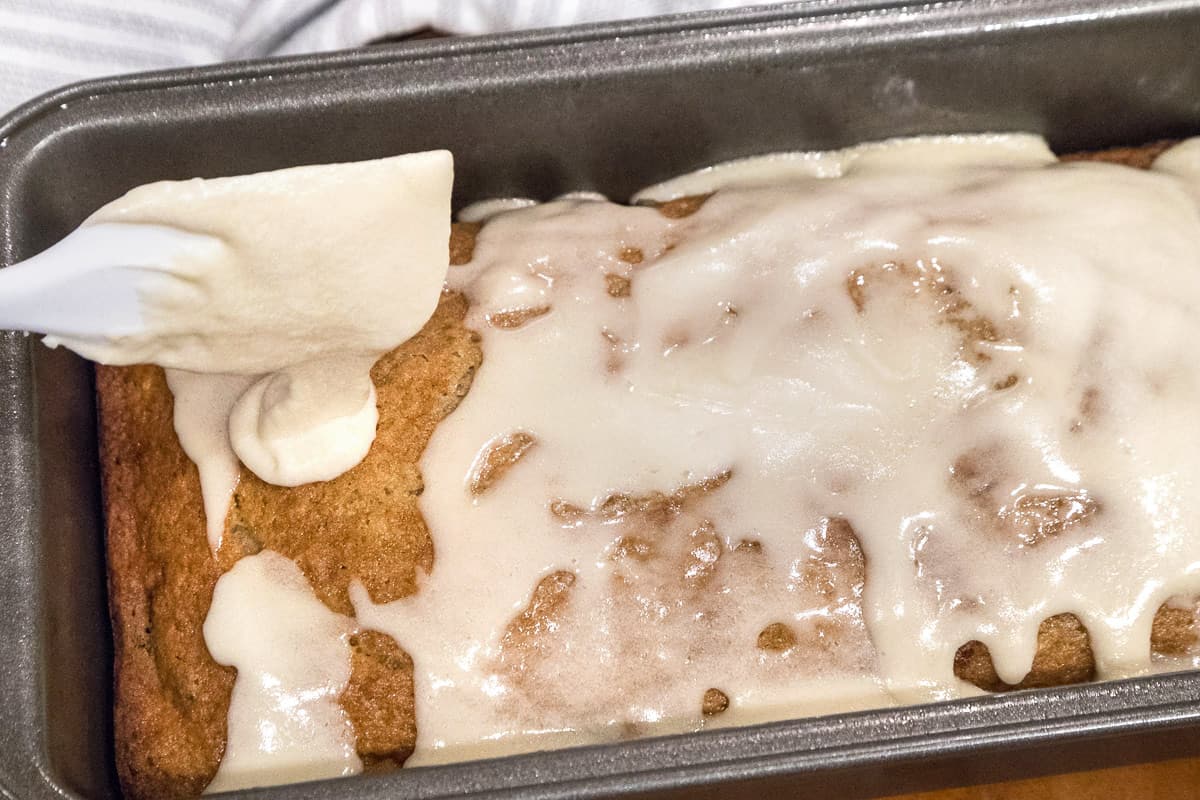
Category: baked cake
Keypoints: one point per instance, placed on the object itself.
(740, 451)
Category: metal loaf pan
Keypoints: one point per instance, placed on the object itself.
(612, 108)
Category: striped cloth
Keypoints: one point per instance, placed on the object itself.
(46, 43)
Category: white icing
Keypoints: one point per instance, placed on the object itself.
(1022, 344)
(583, 194)
(202, 407)
(284, 427)
(308, 253)
(1182, 160)
(293, 661)
(289, 295)
(483, 210)
(929, 152)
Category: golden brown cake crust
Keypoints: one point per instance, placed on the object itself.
(172, 698)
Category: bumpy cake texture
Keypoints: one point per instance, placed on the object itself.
(172, 698)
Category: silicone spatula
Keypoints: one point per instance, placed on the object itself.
(90, 284)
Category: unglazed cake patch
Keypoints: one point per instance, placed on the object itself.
(784, 444)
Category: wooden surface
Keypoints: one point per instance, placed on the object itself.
(1165, 779)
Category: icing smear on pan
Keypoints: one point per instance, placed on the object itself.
(786, 453)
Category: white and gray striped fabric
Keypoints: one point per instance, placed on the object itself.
(45, 43)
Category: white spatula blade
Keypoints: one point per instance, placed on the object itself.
(90, 284)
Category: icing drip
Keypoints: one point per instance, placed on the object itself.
(790, 451)
(293, 661)
(202, 407)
